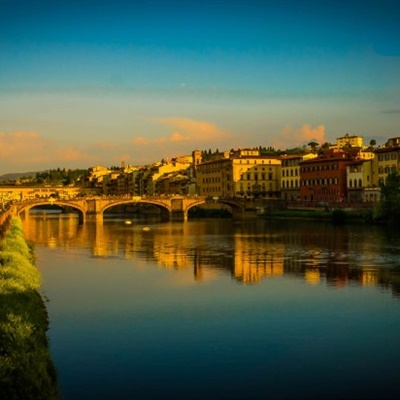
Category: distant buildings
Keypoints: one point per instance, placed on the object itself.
(347, 172)
(239, 173)
(323, 178)
(347, 141)
(290, 175)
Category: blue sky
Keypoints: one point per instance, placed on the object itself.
(99, 82)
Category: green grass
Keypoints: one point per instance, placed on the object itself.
(26, 368)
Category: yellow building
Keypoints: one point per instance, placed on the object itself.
(151, 174)
(239, 175)
(347, 140)
(386, 160)
(360, 182)
(290, 175)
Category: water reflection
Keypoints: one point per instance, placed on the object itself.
(249, 251)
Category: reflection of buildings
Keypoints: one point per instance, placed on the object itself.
(248, 252)
(55, 230)
(257, 257)
(312, 276)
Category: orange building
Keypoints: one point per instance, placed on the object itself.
(323, 179)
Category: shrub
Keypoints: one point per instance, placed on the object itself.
(26, 369)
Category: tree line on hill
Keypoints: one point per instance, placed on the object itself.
(54, 177)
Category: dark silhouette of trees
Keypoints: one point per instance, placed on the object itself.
(389, 206)
(61, 176)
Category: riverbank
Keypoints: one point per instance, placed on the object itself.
(335, 215)
(26, 368)
(321, 214)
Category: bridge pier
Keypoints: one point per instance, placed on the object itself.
(178, 216)
(93, 216)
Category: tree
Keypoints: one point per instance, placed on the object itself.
(389, 206)
(313, 146)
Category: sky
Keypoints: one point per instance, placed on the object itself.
(85, 83)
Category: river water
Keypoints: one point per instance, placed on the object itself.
(220, 309)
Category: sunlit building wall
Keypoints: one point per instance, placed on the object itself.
(386, 160)
(290, 175)
(323, 179)
(253, 175)
(347, 140)
(360, 185)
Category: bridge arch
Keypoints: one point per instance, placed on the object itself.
(195, 204)
(164, 208)
(238, 209)
(22, 208)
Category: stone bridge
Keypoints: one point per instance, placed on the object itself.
(93, 208)
(171, 207)
(174, 207)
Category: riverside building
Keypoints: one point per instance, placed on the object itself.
(323, 179)
(239, 173)
(387, 160)
(290, 175)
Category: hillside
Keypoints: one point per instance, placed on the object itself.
(14, 176)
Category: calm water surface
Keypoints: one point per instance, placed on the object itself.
(217, 309)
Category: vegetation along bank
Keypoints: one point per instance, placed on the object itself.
(26, 369)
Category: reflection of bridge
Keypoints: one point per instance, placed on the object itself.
(93, 208)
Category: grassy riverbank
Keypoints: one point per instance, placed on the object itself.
(26, 369)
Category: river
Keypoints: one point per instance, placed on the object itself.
(220, 309)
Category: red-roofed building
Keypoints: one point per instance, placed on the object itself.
(323, 179)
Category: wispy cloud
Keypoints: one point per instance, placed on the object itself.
(394, 111)
(194, 130)
(185, 135)
(291, 137)
(173, 137)
(22, 148)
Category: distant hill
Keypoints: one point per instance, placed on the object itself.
(15, 176)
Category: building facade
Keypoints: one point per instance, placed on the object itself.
(387, 160)
(239, 175)
(360, 186)
(323, 179)
(290, 175)
(349, 141)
